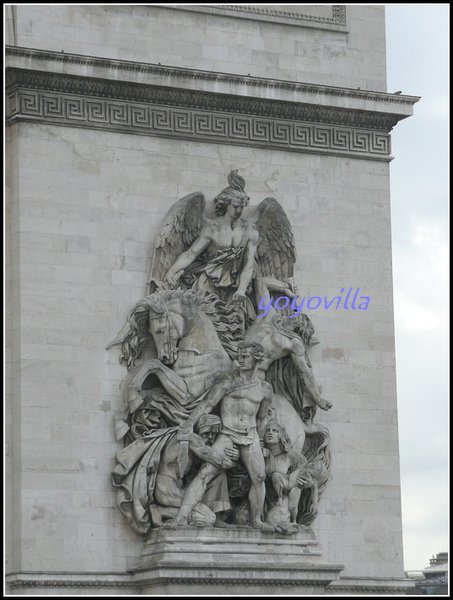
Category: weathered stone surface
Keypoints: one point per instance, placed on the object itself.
(204, 367)
(214, 42)
(246, 559)
(85, 206)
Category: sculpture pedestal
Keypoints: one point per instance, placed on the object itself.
(240, 561)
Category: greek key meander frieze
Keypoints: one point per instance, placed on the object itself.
(154, 94)
(200, 125)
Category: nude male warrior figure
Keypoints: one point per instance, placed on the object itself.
(244, 400)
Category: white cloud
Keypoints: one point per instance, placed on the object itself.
(415, 318)
(435, 108)
(425, 508)
(421, 279)
(420, 260)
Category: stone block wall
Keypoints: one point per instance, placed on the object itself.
(351, 56)
(90, 205)
(83, 206)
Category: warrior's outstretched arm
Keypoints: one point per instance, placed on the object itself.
(298, 358)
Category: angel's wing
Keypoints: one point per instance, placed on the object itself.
(181, 226)
(276, 252)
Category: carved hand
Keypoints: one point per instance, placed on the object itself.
(239, 296)
(232, 453)
(271, 413)
(172, 278)
(325, 405)
(225, 462)
(302, 482)
(217, 459)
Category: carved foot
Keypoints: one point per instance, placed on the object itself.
(264, 526)
(221, 524)
(288, 528)
(176, 522)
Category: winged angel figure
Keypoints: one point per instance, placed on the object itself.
(226, 255)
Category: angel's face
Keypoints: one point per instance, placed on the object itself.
(235, 208)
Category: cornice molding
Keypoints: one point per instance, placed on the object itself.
(306, 575)
(164, 95)
(197, 75)
(167, 112)
(337, 20)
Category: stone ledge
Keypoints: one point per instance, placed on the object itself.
(370, 585)
(307, 580)
(68, 579)
(398, 105)
(166, 112)
(239, 547)
(239, 557)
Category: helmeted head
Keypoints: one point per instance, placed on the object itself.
(232, 199)
(208, 428)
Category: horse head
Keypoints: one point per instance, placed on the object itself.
(166, 323)
(168, 316)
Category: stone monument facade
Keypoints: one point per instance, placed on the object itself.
(201, 389)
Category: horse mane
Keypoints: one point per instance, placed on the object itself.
(225, 321)
(133, 342)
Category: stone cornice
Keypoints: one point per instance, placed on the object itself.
(306, 575)
(246, 81)
(336, 21)
(345, 584)
(237, 574)
(148, 99)
(164, 95)
(167, 112)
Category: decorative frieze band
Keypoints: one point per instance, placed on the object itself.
(155, 94)
(197, 116)
(336, 19)
(190, 575)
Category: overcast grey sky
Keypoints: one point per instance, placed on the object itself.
(417, 63)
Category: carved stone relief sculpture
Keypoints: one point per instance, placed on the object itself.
(211, 390)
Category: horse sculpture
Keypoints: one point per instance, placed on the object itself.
(195, 339)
